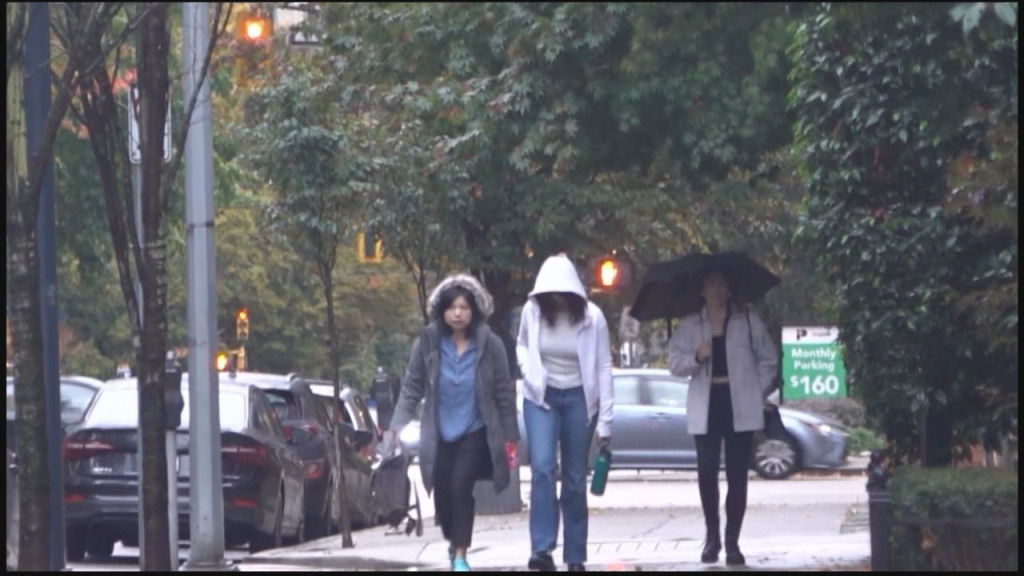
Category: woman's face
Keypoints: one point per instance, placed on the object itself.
(716, 289)
(459, 314)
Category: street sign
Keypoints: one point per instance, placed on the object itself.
(134, 145)
(812, 365)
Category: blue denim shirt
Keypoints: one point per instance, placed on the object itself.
(458, 412)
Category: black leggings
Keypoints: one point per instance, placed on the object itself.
(456, 470)
(737, 461)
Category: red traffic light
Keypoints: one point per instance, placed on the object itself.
(242, 314)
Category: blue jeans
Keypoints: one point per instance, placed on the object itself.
(565, 423)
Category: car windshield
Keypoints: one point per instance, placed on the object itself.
(110, 409)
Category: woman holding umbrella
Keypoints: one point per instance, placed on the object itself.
(732, 362)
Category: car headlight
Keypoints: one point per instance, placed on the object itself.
(824, 429)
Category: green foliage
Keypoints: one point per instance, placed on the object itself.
(847, 411)
(887, 98)
(955, 520)
(863, 440)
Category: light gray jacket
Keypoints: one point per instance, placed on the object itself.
(495, 389)
(751, 371)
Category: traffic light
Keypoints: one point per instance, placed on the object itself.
(613, 273)
(222, 361)
(242, 324)
(253, 33)
(253, 27)
(368, 248)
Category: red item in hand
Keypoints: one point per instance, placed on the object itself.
(510, 454)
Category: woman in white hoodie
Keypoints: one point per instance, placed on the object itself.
(565, 358)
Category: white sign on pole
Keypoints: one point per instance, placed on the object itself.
(134, 141)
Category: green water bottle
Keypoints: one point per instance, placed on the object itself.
(602, 465)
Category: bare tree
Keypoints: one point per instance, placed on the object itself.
(97, 109)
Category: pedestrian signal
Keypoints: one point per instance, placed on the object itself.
(613, 273)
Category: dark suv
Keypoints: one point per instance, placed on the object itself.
(359, 441)
(298, 409)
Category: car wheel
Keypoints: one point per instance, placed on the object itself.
(776, 458)
(261, 541)
(75, 545)
(101, 547)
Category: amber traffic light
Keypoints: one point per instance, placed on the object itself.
(253, 27)
(222, 361)
(242, 324)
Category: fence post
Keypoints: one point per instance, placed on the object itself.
(880, 514)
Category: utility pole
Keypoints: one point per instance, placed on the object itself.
(206, 496)
(37, 108)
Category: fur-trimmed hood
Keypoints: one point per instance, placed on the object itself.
(483, 298)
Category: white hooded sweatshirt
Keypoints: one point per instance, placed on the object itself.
(558, 274)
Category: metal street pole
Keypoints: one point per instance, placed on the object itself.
(37, 108)
(137, 196)
(206, 496)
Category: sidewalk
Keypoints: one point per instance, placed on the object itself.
(818, 528)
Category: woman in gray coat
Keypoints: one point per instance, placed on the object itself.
(727, 352)
(459, 369)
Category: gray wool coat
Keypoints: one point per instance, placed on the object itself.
(752, 360)
(495, 397)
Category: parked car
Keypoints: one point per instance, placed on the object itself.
(262, 474)
(76, 392)
(650, 430)
(298, 409)
(359, 435)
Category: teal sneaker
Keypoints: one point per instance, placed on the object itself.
(459, 564)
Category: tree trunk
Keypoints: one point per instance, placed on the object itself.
(497, 283)
(327, 281)
(154, 87)
(24, 307)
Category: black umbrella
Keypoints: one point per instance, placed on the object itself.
(672, 289)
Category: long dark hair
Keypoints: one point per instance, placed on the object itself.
(445, 301)
(549, 309)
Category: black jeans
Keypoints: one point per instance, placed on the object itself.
(456, 470)
(737, 461)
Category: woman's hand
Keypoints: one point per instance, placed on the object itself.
(704, 352)
(510, 454)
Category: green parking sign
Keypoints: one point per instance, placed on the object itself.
(812, 366)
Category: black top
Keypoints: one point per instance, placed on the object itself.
(719, 367)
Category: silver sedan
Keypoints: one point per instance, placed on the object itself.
(650, 431)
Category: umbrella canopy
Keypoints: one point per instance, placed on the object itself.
(672, 289)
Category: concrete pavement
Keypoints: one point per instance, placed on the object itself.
(648, 521)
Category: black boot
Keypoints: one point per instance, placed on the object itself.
(733, 556)
(712, 546)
